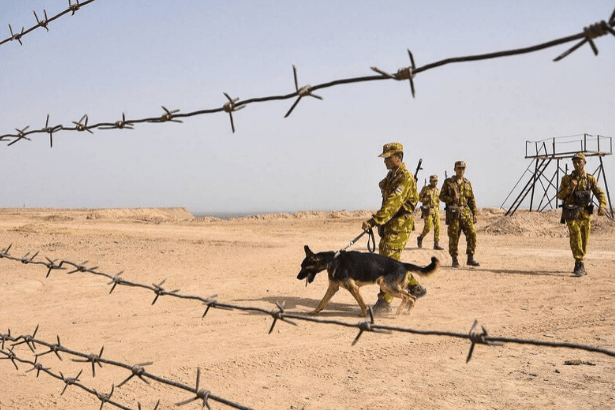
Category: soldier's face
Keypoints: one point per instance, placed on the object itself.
(433, 183)
(392, 162)
(579, 164)
(460, 171)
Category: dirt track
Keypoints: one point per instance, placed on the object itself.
(523, 289)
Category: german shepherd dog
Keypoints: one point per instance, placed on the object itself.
(351, 270)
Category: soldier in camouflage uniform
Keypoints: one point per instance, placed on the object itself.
(577, 208)
(394, 219)
(461, 213)
(430, 197)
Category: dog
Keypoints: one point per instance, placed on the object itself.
(352, 269)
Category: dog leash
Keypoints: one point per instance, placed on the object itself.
(370, 239)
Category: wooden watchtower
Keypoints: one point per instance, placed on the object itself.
(539, 183)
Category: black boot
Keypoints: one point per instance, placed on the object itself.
(437, 246)
(419, 241)
(579, 269)
(472, 261)
(455, 262)
(381, 307)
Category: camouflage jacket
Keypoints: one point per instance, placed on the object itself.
(398, 191)
(430, 197)
(462, 195)
(585, 182)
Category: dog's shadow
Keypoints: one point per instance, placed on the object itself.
(291, 303)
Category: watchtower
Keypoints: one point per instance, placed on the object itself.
(542, 177)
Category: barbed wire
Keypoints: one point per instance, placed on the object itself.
(137, 370)
(278, 313)
(16, 36)
(232, 105)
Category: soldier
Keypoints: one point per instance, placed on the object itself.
(577, 208)
(394, 219)
(461, 213)
(430, 197)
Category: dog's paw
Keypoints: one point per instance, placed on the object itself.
(314, 312)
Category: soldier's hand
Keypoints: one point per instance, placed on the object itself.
(574, 182)
(475, 219)
(365, 226)
(601, 211)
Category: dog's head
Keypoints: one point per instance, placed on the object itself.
(311, 265)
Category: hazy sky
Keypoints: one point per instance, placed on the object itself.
(117, 56)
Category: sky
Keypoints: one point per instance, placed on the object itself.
(132, 57)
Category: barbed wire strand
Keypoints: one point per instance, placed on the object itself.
(137, 370)
(278, 313)
(232, 105)
(72, 8)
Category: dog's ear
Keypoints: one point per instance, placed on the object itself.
(307, 250)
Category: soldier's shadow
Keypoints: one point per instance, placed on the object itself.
(305, 305)
(523, 272)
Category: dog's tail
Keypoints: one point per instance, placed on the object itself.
(424, 270)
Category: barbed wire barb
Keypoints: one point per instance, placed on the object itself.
(69, 380)
(231, 106)
(92, 358)
(590, 32)
(200, 394)
(54, 348)
(42, 23)
(302, 92)
(278, 314)
(18, 35)
(137, 371)
(27, 339)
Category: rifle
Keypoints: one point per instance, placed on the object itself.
(418, 168)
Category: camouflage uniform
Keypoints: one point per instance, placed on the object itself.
(580, 227)
(430, 197)
(454, 194)
(395, 219)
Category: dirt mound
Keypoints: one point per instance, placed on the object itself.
(155, 215)
(537, 224)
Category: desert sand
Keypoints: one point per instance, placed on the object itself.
(523, 289)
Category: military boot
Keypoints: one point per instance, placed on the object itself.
(579, 269)
(455, 262)
(437, 246)
(419, 241)
(381, 307)
(471, 261)
(417, 290)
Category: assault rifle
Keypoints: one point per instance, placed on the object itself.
(418, 168)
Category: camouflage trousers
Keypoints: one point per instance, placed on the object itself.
(396, 234)
(579, 230)
(432, 221)
(455, 228)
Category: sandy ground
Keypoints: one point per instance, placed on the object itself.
(523, 289)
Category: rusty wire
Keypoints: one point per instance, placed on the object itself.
(72, 8)
(278, 313)
(137, 370)
(231, 105)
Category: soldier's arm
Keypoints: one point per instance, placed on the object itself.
(444, 196)
(566, 188)
(390, 206)
(472, 200)
(598, 192)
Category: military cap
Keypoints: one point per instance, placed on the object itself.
(433, 177)
(391, 148)
(579, 155)
(461, 164)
